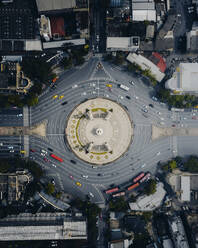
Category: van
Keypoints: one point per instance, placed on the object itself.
(124, 87)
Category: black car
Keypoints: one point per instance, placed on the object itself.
(50, 149)
(151, 105)
(128, 97)
(73, 161)
(64, 103)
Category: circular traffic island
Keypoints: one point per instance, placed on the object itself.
(99, 131)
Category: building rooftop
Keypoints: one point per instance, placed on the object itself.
(184, 78)
(42, 226)
(146, 64)
(122, 43)
(149, 203)
(49, 5)
(185, 188)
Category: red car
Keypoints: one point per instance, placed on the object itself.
(45, 159)
(71, 177)
(32, 150)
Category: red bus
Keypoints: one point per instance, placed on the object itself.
(138, 177)
(147, 176)
(109, 191)
(56, 157)
(133, 186)
(119, 194)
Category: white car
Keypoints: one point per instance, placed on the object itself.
(91, 194)
(121, 97)
(43, 151)
(136, 97)
(159, 113)
(19, 115)
(54, 165)
(1, 144)
(158, 153)
(11, 150)
(42, 154)
(154, 98)
(10, 147)
(162, 119)
(84, 94)
(85, 176)
(74, 86)
(143, 165)
(132, 83)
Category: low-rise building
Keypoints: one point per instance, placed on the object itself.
(12, 185)
(192, 38)
(143, 10)
(42, 226)
(178, 232)
(151, 202)
(146, 64)
(184, 79)
(54, 5)
(123, 43)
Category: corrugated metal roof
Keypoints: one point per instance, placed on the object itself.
(47, 5)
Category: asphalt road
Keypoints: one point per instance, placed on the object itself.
(143, 155)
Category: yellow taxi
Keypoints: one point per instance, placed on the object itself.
(55, 96)
(61, 97)
(78, 184)
(22, 151)
(109, 85)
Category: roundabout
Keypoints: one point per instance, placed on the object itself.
(104, 136)
(99, 131)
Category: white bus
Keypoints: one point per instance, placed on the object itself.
(124, 87)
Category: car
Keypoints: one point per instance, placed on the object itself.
(53, 181)
(73, 161)
(162, 123)
(145, 106)
(85, 176)
(23, 151)
(10, 147)
(162, 103)
(19, 115)
(61, 97)
(50, 149)
(159, 113)
(32, 150)
(94, 167)
(132, 83)
(173, 125)
(145, 110)
(154, 98)
(45, 159)
(97, 37)
(1, 144)
(11, 150)
(78, 184)
(55, 96)
(136, 97)
(42, 154)
(109, 85)
(74, 86)
(91, 194)
(43, 151)
(121, 97)
(70, 176)
(128, 97)
(158, 153)
(84, 93)
(54, 165)
(162, 119)
(151, 105)
(64, 103)
(142, 166)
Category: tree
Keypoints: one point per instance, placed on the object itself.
(147, 216)
(118, 204)
(150, 187)
(50, 189)
(191, 164)
(32, 100)
(172, 164)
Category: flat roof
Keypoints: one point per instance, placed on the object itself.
(141, 15)
(185, 188)
(47, 5)
(55, 44)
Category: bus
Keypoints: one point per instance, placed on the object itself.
(56, 157)
(146, 177)
(136, 179)
(177, 109)
(109, 191)
(118, 194)
(133, 186)
(124, 87)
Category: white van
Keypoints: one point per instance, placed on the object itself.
(124, 87)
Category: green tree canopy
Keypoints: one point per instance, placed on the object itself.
(191, 164)
(50, 188)
(151, 187)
